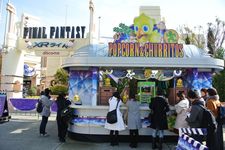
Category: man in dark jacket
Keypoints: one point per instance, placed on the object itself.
(62, 121)
(159, 107)
(194, 118)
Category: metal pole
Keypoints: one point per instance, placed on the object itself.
(1, 3)
(66, 15)
(6, 27)
(99, 18)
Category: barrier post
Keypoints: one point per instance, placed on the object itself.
(4, 111)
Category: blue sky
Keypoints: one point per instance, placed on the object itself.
(113, 12)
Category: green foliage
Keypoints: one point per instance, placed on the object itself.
(61, 77)
(187, 40)
(32, 91)
(215, 36)
(122, 83)
(193, 36)
(219, 84)
(171, 121)
(57, 89)
(211, 42)
(60, 82)
(220, 53)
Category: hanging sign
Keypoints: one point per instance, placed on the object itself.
(146, 50)
(54, 32)
(145, 38)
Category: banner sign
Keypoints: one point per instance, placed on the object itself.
(145, 38)
(147, 50)
(54, 32)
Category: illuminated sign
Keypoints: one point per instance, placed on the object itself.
(54, 32)
(172, 50)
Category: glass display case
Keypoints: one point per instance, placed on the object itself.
(146, 90)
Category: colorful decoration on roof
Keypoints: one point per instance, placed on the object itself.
(143, 29)
(171, 36)
(145, 38)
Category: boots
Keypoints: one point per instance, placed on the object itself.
(160, 143)
(112, 138)
(154, 143)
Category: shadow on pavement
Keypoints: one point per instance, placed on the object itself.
(23, 134)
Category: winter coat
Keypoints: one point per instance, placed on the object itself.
(212, 104)
(196, 114)
(119, 125)
(46, 102)
(159, 107)
(134, 117)
(62, 103)
(181, 110)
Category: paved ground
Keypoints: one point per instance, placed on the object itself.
(21, 133)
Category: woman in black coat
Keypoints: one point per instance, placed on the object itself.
(159, 107)
(62, 122)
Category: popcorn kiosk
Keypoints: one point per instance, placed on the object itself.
(154, 59)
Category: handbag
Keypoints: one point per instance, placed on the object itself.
(66, 112)
(111, 116)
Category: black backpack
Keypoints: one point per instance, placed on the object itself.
(39, 107)
(221, 115)
(208, 120)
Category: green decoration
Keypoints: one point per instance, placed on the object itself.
(171, 37)
(122, 29)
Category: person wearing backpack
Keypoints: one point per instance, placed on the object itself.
(46, 102)
(39, 106)
(212, 104)
(194, 117)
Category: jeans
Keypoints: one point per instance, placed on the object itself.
(43, 124)
(156, 132)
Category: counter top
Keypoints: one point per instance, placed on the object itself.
(123, 107)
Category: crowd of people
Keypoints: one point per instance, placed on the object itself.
(62, 116)
(189, 114)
